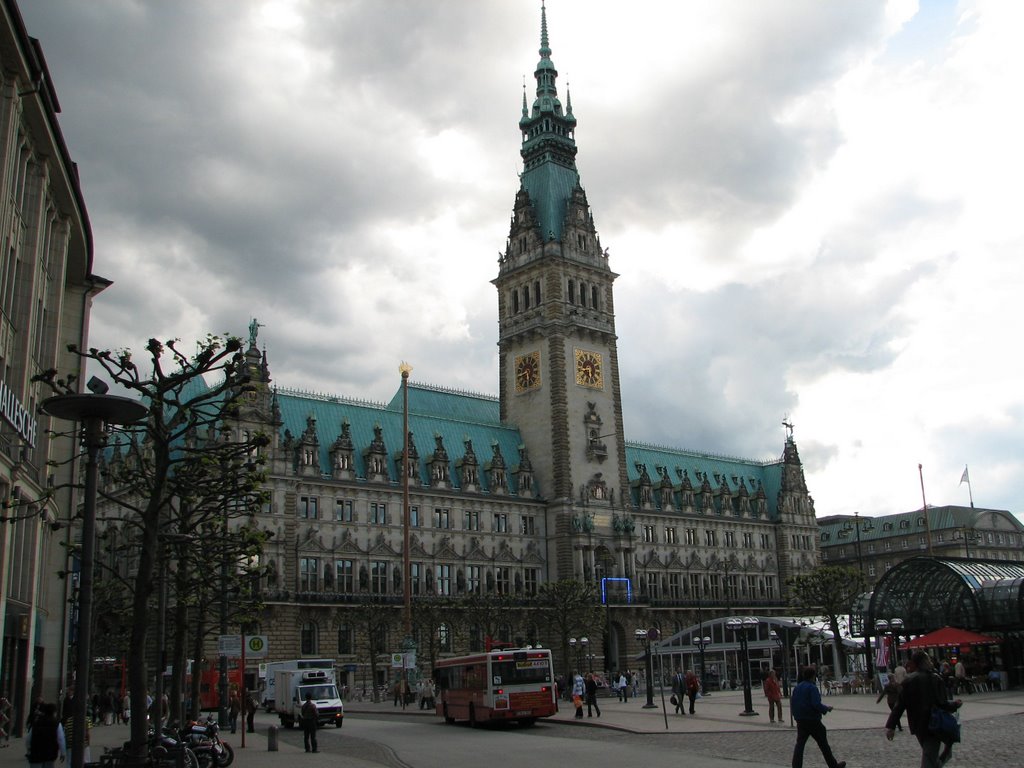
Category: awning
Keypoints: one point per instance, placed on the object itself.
(950, 636)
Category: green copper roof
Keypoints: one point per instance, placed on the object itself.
(455, 418)
(834, 529)
(729, 470)
(449, 404)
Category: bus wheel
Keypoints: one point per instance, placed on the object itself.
(472, 717)
(527, 722)
(448, 718)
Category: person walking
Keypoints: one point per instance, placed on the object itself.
(578, 691)
(773, 693)
(307, 716)
(807, 709)
(692, 689)
(234, 707)
(623, 687)
(45, 741)
(590, 690)
(891, 692)
(922, 691)
(678, 691)
(252, 703)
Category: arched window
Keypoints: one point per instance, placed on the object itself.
(309, 639)
(515, 302)
(593, 296)
(536, 292)
(526, 297)
(476, 639)
(572, 291)
(444, 638)
(583, 294)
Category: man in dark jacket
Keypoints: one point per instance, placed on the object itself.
(309, 719)
(922, 690)
(806, 707)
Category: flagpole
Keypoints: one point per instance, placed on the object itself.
(927, 522)
(966, 478)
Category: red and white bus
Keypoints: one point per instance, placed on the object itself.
(508, 684)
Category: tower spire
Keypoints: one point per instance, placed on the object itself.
(549, 149)
(545, 49)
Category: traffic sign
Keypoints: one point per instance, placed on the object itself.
(256, 646)
(229, 645)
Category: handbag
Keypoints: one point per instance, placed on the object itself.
(944, 725)
(674, 700)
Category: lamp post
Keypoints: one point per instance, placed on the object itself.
(782, 642)
(702, 643)
(222, 676)
(407, 643)
(584, 645)
(891, 627)
(968, 535)
(95, 413)
(645, 638)
(576, 647)
(743, 628)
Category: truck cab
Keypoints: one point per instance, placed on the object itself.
(319, 685)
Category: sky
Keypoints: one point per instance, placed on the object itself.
(814, 208)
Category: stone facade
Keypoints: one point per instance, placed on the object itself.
(509, 493)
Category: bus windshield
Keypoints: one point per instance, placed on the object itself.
(524, 671)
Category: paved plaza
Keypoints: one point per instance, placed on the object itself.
(993, 724)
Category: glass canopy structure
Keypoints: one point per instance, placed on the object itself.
(929, 593)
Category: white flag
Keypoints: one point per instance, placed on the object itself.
(965, 478)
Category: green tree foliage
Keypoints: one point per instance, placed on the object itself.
(571, 609)
(829, 591)
(178, 472)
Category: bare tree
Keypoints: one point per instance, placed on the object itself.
(570, 608)
(830, 591)
(170, 463)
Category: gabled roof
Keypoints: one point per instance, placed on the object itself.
(730, 469)
(455, 417)
(838, 528)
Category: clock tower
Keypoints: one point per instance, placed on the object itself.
(559, 367)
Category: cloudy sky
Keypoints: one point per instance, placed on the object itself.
(814, 207)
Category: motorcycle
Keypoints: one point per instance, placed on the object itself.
(169, 749)
(203, 737)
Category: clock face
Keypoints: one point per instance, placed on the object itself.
(588, 369)
(527, 371)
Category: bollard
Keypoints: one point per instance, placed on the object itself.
(272, 739)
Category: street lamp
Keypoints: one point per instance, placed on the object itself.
(892, 627)
(782, 642)
(579, 647)
(968, 535)
(743, 628)
(408, 646)
(584, 643)
(645, 638)
(95, 413)
(702, 643)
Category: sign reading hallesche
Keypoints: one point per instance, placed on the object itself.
(14, 413)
